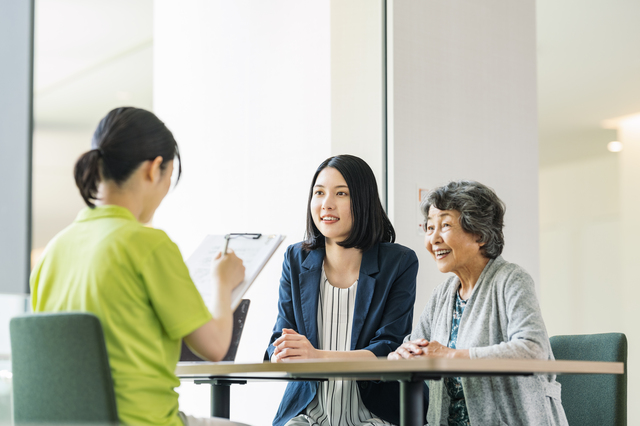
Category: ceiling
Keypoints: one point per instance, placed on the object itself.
(587, 72)
(93, 56)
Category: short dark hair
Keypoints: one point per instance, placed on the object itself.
(370, 222)
(481, 212)
(124, 139)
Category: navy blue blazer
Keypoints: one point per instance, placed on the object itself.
(383, 316)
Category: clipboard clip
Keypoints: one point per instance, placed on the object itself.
(243, 234)
(234, 235)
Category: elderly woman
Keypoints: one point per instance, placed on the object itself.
(488, 309)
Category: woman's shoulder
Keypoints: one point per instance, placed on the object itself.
(130, 240)
(141, 242)
(126, 234)
(503, 273)
(395, 248)
(395, 254)
(147, 236)
(296, 253)
(296, 250)
(298, 259)
(503, 268)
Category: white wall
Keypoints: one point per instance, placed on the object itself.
(252, 115)
(358, 122)
(56, 200)
(579, 245)
(589, 250)
(463, 106)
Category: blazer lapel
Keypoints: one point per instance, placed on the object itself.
(364, 294)
(309, 293)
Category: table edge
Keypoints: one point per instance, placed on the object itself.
(430, 365)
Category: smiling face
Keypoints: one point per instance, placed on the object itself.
(331, 206)
(453, 249)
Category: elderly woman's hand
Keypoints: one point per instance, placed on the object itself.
(436, 350)
(423, 348)
(409, 349)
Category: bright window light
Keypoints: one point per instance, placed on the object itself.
(615, 146)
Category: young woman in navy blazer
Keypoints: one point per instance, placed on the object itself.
(347, 267)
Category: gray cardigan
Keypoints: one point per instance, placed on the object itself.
(502, 319)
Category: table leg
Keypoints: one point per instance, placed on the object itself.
(220, 395)
(411, 403)
(220, 400)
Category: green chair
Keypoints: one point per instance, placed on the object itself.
(593, 399)
(61, 370)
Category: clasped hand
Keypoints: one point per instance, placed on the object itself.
(292, 345)
(423, 348)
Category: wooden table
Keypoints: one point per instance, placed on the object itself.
(410, 374)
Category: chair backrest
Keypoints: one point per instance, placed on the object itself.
(61, 370)
(593, 399)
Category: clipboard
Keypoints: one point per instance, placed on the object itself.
(239, 318)
(255, 250)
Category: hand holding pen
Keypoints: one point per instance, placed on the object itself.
(226, 244)
(227, 269)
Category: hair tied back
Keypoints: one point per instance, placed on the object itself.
(129, 136)
(87, 175)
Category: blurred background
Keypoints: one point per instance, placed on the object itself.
(93, 56)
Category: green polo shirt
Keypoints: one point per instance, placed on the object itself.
(134, 279)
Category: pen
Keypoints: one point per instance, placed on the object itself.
(226, 244)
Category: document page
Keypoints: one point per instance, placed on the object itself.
(254, 252)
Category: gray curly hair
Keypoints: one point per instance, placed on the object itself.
(481, 212)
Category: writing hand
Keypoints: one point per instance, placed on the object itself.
(227, 270)
(291, 346)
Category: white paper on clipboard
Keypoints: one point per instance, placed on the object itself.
(254, 252)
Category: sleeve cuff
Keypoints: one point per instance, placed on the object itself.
(381, 349)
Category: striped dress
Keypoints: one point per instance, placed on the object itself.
(337, 402)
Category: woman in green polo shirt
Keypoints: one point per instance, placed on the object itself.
(132, 276)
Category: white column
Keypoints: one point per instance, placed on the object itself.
(462, 104)
(357, 82)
